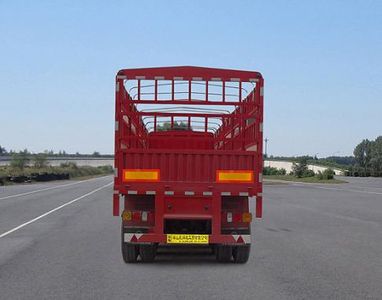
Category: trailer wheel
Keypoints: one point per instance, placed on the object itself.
(147, 252)
(129, 250)
(129, 253)
(223, 253)
(241, 254)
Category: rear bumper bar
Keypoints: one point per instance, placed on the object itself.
(234, 239)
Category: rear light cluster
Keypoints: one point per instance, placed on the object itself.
(231, 217)
(138, 216)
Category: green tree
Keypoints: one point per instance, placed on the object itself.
(20, 160)
(2, 151)
(362, 153)
(328, 174)
(368, 158)
(176, 126)
(300, 168)
(376, 157)
(61, 153)
(40, 161)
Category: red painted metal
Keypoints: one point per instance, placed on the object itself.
(220, 113)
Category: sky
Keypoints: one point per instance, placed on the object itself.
(321, 60)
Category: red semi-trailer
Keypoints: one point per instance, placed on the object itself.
(188, 159)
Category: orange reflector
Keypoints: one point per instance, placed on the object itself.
(244, 176)
(140, 175)
(247, 217)
(126, 215)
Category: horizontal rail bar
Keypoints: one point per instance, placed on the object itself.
(208, 115)
(213, 140)
(191, 102)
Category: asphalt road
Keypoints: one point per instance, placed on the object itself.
(59, 241)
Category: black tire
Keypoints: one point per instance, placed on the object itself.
(129, 250)
(223, 253)
(147, 252)
(129, 253)
(241, 254)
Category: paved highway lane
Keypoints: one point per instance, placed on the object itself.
(21, 203)
(313, 243)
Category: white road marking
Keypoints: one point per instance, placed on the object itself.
(53, 210)
(350, 190)
(49, 188)
(337, 189)
(372, 187)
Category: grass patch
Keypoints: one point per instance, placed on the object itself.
(312, 179)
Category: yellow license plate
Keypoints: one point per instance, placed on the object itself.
(187, 239)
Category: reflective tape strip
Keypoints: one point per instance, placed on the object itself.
(216, 79)
(140, 77)
(259, 194)
(178, 78)
(243, 194)
(150, 192)
(189, 193)
(116, 126)
(226, 193)
(128, 237)
(158, 77)
(235, 79)
(121, 77)
(197, 78)
(245, 237)
(117, 87)
(132, 192)
(207, 193)
(262, 91)
(169, 193)
(253, 80)
(141, 175)
(234, 176)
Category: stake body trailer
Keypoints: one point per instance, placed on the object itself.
(188, 159)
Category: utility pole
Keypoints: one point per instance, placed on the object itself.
(266, 147)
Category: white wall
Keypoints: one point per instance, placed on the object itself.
(287, 165)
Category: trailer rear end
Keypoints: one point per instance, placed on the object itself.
(188, 159)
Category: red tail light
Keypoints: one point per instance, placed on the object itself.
(136, 216)
(237, 217)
